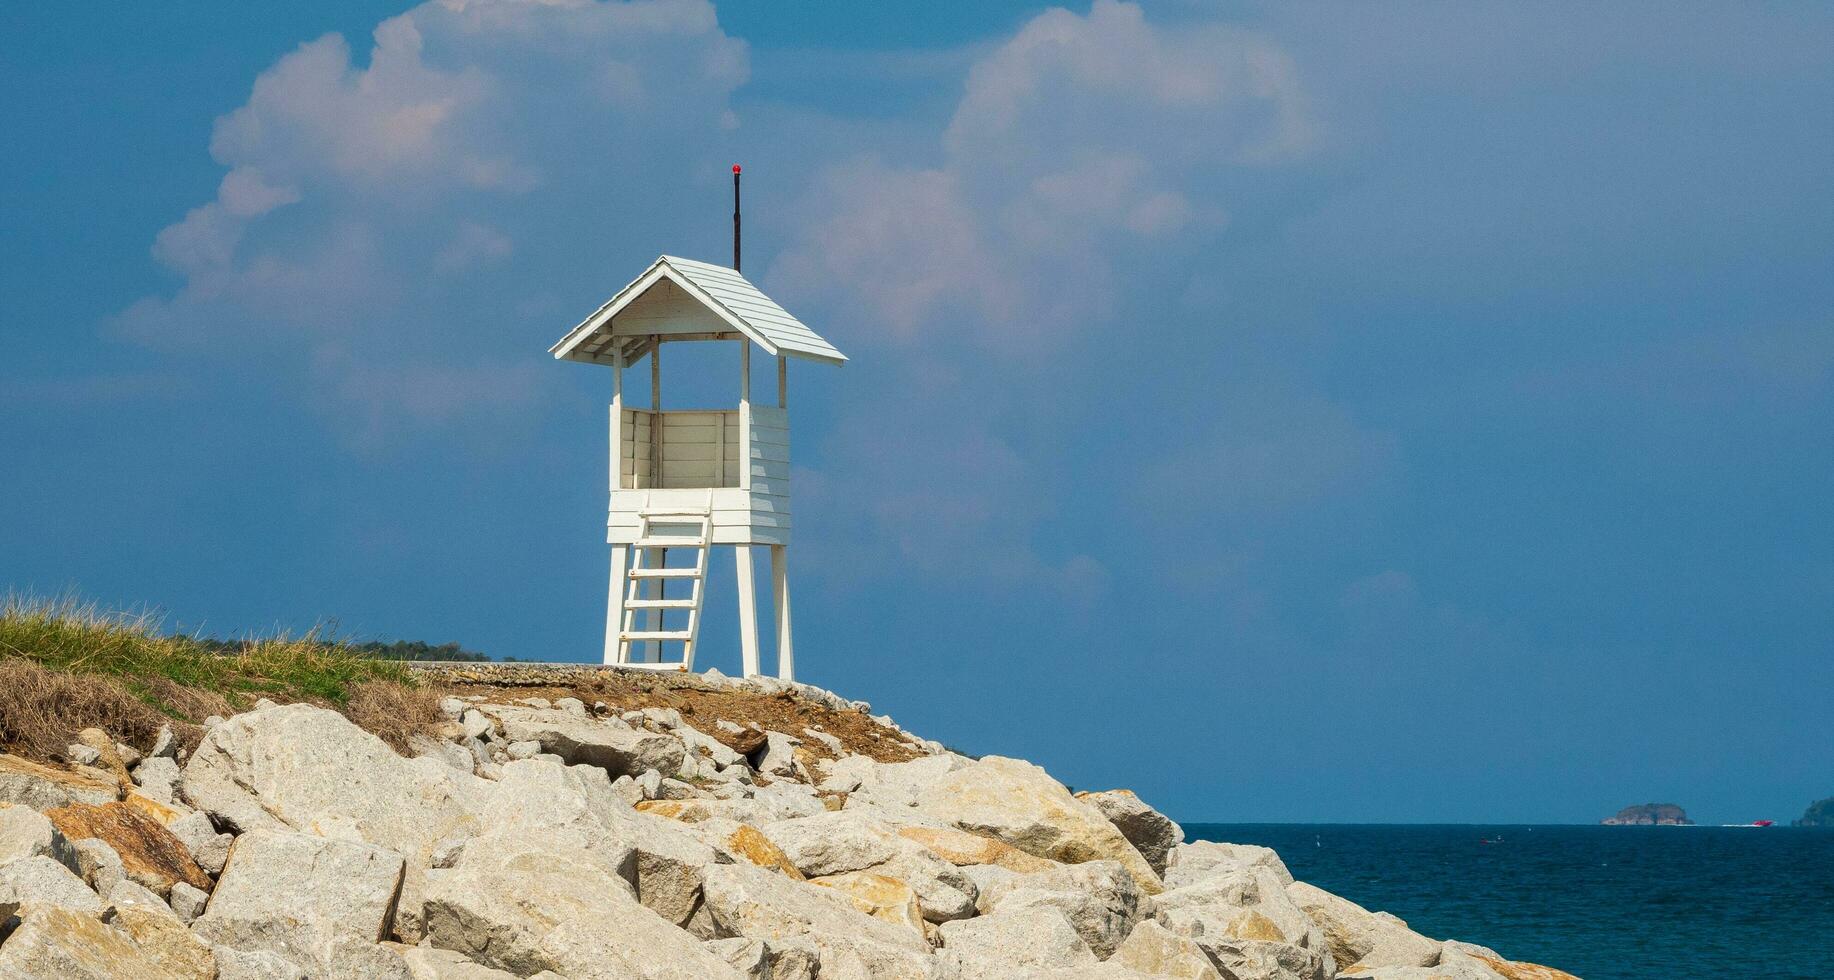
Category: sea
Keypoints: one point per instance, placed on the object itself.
(1603, 903)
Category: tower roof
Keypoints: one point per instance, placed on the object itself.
(690, 300)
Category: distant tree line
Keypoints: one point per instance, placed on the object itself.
(416, 650)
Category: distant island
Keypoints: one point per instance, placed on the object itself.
(1819, 814)
(1656, 815)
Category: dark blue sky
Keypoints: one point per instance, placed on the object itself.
(1324, 412)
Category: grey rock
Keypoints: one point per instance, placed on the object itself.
(235, 964)
(165, 744)
(452, 708)
(158, 778)
(428, 963)
(573, 810)
(1359, 937)
(130, 756)
(24, 832)
(833, 842)
(1005, 944)
(1156, 951)
(650, 783)
(528, 903)
(523, 750)
(42, 788)
(1190, 863)
(82, 755)
(1019, 803)
(187, 902)
(98, 864)
(1099, 899)
(208, 848)
(40, 880)
(476, 724)
(570, 704)
(583, 740)
(451, 754)
(1249, 927)
(313, 900)
(627, 788)
(56, 943)
(778, 756)
(675, 789)
(306, 768)
(743, 900)
(1151, 833)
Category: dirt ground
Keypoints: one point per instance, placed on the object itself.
(701, 704)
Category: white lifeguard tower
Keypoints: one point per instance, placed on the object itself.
(683, 481)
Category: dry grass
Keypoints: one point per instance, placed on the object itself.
(65, 666)
(41, 709)
(393, 711)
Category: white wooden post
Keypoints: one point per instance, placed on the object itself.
(783, 382)
(661, 555)
(748, 611)
(614, 600)
(780, 599)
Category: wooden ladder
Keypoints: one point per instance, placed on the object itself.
(641, 572)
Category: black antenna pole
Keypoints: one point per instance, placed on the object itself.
(735, 217)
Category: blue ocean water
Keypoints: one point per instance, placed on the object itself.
(1605, 903)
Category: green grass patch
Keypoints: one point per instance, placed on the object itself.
(80, 638)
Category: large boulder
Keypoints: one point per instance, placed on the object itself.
(1002, 945)
(24, 832)
(1359, 938)
(55, 943)
(428, 963)
(41, 787)
(312, 900)
(1022, 805)
(1187, 864)
(157, 930)
(1248, 926)
(149, 853)
(525, 910)
(299, 767)
(582, 739)
(742, 900)
(1099, 899)
(40, 880)
(743, 842)
(882, 897)
(1156, 951)
(1151, 833)
(833, 842)
(573, 809)
(963, 849)
(842, 841)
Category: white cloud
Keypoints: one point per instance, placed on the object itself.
(352, 185)
(1079, 145)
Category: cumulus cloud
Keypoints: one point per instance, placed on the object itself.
(357, 189)
(1080, 144)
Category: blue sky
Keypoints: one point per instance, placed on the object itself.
(1292, 412)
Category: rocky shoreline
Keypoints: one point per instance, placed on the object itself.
(577, 823)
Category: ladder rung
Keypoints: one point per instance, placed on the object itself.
(659, 603)
(667, 542)
(682, 512)
(634, 636)
(665, 573)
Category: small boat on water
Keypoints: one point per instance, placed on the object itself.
(1754, 823)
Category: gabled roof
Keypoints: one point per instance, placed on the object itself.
(681, 296)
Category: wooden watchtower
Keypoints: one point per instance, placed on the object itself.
(683, 481)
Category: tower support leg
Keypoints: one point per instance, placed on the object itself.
(748, 610)
(614, 600)
(780, 600)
